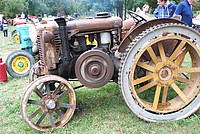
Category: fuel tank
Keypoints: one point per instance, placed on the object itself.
(94, 24)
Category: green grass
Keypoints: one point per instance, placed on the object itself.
(99, 111)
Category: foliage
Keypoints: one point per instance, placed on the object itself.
(68, 7)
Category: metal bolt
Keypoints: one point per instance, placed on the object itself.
(173, 68)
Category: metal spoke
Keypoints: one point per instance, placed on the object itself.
(148, 86)
(40, 119)
(178, 49)
(47, 88)
(179, 92)
(145, 66)
(35, 113)
(35, 102)
(181, 57)
(162, 52)
(62, 94)
(180, 79)
(58, 89)
(143, 79)
(59, 113)
(165, 92)
(156, 98)
(189, 70)
(40, 89)
(52, 120)
(37, 91)
(152, 55)
(64, 105)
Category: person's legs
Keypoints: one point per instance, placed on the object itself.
(6, 31)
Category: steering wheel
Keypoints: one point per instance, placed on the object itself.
(136, 17)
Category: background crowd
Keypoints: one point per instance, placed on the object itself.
(165, 9)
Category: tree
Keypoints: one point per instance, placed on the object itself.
(69, 7)
(12, 7)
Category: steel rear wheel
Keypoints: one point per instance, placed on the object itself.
(160, 82)
(48, 103)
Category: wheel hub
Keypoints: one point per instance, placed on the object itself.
(50, 104)
(94, 70)
(20, 64)
(165, 73)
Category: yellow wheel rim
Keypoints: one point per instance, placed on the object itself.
(20, 64)
(16, 38)
(162, 89)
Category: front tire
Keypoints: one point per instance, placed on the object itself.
(19, 63)
(48, 103)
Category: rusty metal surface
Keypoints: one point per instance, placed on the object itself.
(49, 47)
(143, 48)
(36, 71)
(94, 68)
(51, 26)
(42, 105)
(95, 24)
(132, 33)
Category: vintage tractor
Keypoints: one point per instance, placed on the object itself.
(20, 62)
(156, 64)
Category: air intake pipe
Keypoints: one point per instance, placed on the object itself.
(64, 39)
(64, 68)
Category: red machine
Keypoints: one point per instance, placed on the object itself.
(3, 74)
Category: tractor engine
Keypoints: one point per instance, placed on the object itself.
(82, 49)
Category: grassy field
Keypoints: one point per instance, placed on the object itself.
(99, 111)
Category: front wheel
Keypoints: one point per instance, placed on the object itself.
(15, 37)
(48, 103)
(19, 63)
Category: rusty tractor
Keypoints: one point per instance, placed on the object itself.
(156, 64)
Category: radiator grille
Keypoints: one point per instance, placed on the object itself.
(57, 43)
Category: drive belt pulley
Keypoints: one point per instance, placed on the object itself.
(94, 68)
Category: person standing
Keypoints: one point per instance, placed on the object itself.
(5, 26)
(165, 9)
(184, 9)
(144, 12)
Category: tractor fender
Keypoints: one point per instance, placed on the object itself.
(135, 31)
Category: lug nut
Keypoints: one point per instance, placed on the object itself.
(173, 68)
